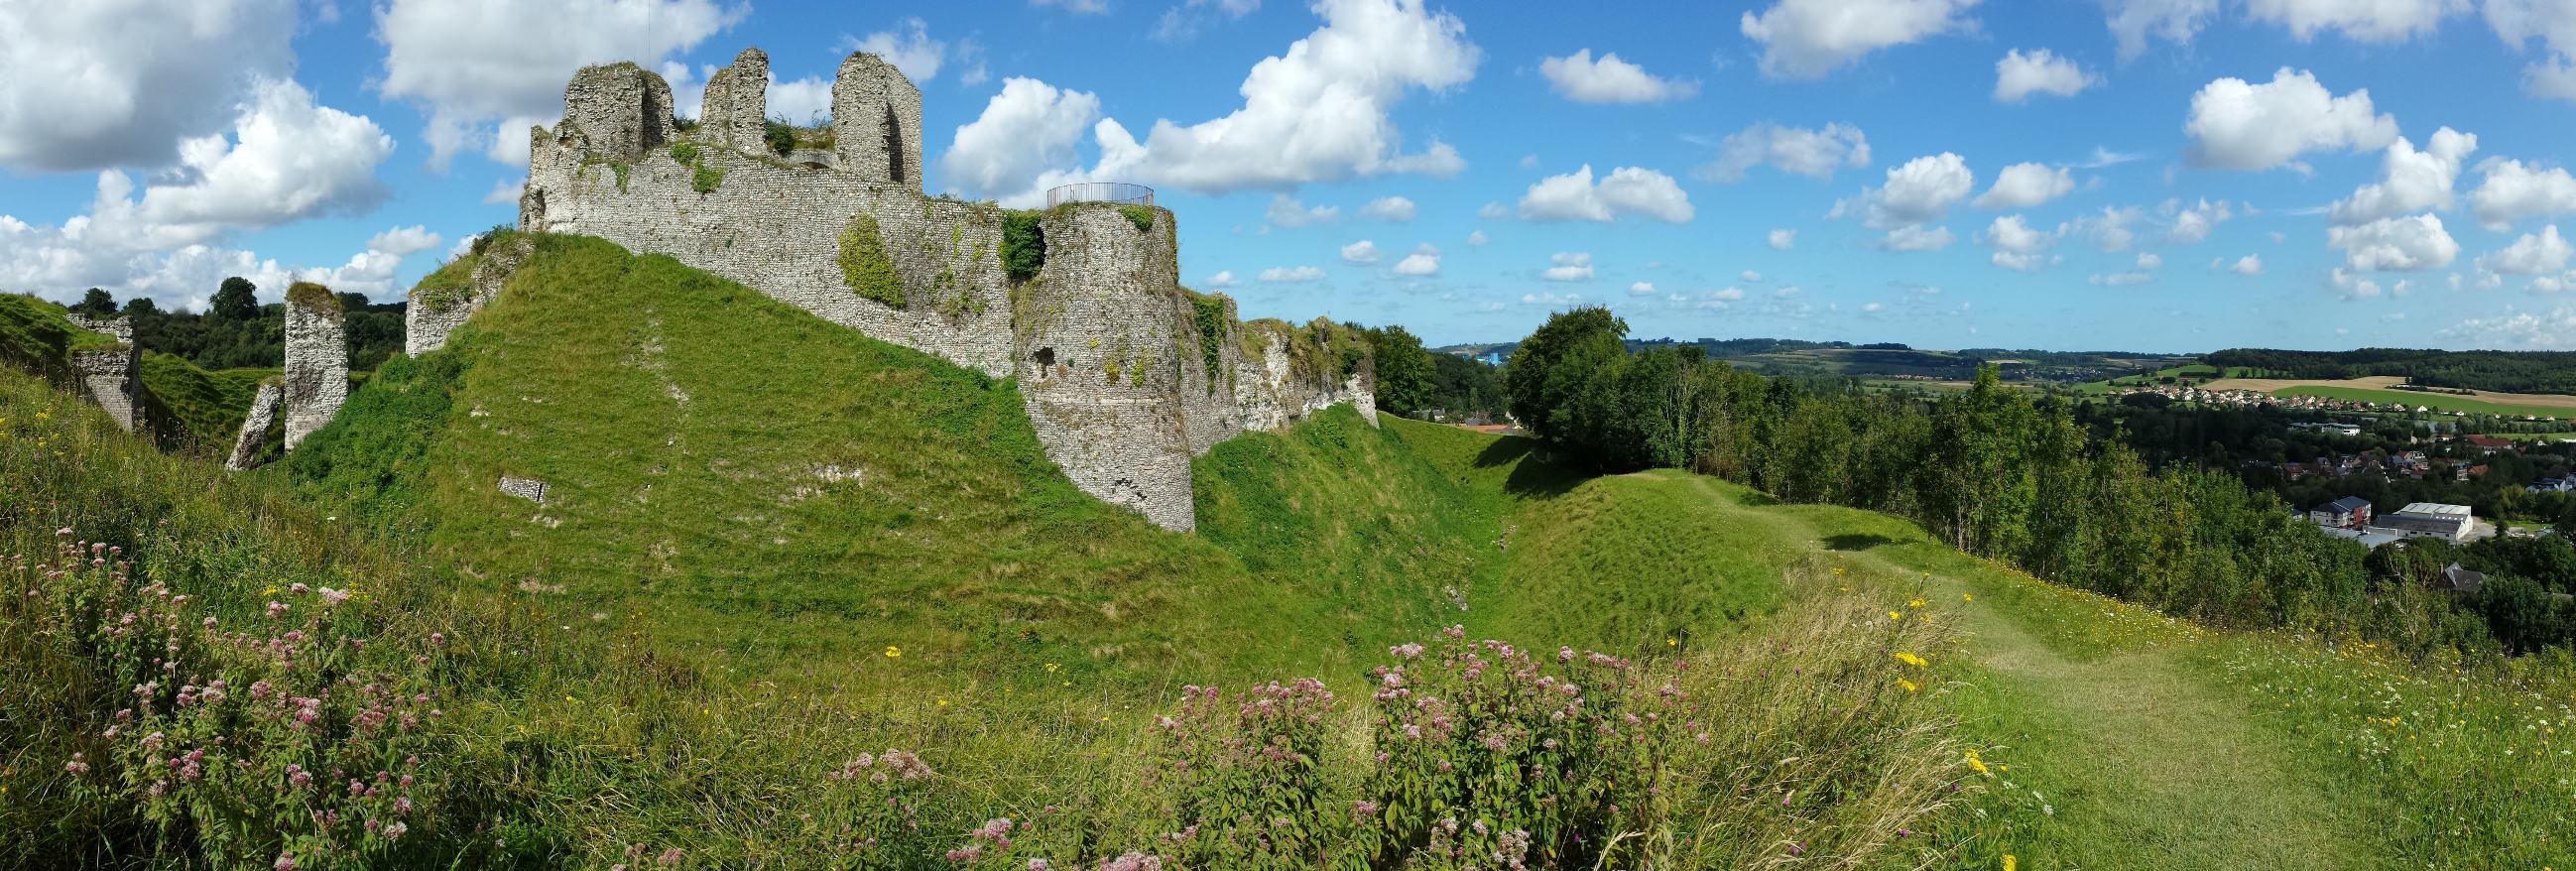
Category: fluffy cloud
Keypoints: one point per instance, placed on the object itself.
(2553, 22)
(1318, 112)
(1476, 239)
(1789, 149)
(1292, 274)
(1920, 191)
(2532, 254)
(2250, 264)
(1568, 266)
(1080, 7)
(1388, 209)
(1642, 288)
(908, 47)
(2192, 223)
(2238, 125)
(102, 83)
(1223, 278)
(2023, 185)
(2363, 20)
(2120, 279)
(2409, 180)
(1805, 39)
(1781, 240)
(1026, 128)
(1749, 277)
(1917, 237)
(2133, 22)
(1627, 190)
(1424, 261)
(2407, 243)
(2018, 75)
(1287, 213)
(2016, 245)
(471, 63)
(2551, 330)
(2512, 191)
(1362, 251)
(1580, 78)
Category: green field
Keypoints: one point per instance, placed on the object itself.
(2436, 401)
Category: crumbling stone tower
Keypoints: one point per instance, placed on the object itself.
(1124, 373)
(317, 360)
(109, 374)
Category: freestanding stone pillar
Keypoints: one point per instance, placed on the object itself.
(317, 360)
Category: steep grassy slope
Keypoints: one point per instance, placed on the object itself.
(196, 410)
(790, 496)
(35, 337)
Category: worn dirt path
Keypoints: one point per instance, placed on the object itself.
(2155, 767)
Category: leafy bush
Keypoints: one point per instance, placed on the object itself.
(864, 264)
(1208, 312)
(705, 179)
(685, 152)
(780, 138)
(1023, 244)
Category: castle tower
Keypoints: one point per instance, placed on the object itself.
(876, 122)
(317, 360)
(736, 111)
(1101, 369)
(622, 110)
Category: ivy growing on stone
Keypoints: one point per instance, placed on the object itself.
(864, 264)
(1140, 216)
(1023, 244)
(1210, 315)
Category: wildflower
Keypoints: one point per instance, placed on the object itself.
(2008, 862)
(893, 652)
(285, 862)
(1910, 659)
(669, 858)
(276, 609)
(76, 766)
(1672, 642)
(1917, 603)
(1967, 597)
(1907, 684)
(1895, 616)
(1363, 808)
(395, 832)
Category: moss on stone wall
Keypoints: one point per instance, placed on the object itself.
(864, 264)
(312, 296)
(1140, 216)
(1208, 311)
(448, 286)
(705, 179)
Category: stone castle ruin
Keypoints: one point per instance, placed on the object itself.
(1125, 374)
(109, 375)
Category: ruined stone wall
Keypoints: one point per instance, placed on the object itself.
(1103, 377)
(620, 110)
(876, 121)
(736, 110)
(110, 375)
(1271, 393)
(254, 429)
(1105, 344)
(433, 313)
(317, 361)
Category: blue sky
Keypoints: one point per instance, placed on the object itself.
(2186, 174)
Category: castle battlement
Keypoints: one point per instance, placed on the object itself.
(1125, 373)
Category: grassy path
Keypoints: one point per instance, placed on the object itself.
(2133, 759)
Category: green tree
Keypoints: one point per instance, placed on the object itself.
(96, 303)
(1553, 364)
(236, 300)
(1404, 370)
(140, 307)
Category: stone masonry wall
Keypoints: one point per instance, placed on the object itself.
(876, 121)
(1103, 376)
(110, 375)
(736, 110)
(434, 313)
(317, 364)
(1107, 298)
(254, 429)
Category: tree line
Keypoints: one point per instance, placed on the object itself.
(2509, 371)
(2003, 474)
(237, 332)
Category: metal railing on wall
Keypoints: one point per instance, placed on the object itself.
(1118, 192)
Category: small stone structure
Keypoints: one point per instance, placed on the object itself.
(529, 489)
(317, 360)
(434, 312)
(254, 429)
(109, 375)
(1110, 353)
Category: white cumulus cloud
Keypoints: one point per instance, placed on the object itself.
(1424, 261)
(2361, 20)
(2239, 125)
(1920, 191)
(1799, 150)
(1007, 151)
(2134, 22)
(1388, 209)
(471, 63)
(1580, 78)
(1781, 240)
(2250, 264)
(2404, 243)
(2018, 246)
(1287, 212)
(1223, 278)
(1805, 39)
(2409, 180)
(2532, 254)
(1568, 266)
(2018, 75)
(2192, 223)
(1292, 274)
(2512, 191)
(2023, 185)
(1362, 251)
(1627, 190)
(1917, 237)
(101, 83)
(908, 47)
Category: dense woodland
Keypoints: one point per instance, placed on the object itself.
(1999, 473)
(2510, 371)
(1411, 379)
(237, 332)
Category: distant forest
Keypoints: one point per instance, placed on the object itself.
(236, 332)
(2509, 371)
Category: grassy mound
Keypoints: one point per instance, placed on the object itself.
(789, 497)
(196, 410)
(35, 337)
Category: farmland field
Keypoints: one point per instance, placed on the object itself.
(2381, 388)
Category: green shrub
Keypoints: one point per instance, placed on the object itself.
(1023, 244)
(312, 296)
(706, 178)
(864, 264)
(1140, 216)
(780, 137)
(1209, 313)
(685, 152)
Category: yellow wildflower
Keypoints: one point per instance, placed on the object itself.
(1895, 616)
(1051, 667)
(1907, 684)
(1974, 762)
(893, 652)
(2008, 862)
(1909, 658)
(1965, 597)
(1917, 603)
(1672, 642)
(943, 703)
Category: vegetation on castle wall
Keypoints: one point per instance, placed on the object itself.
(1319, 351)
(1023, 244)
(448, 286)
(1140, 216)
(864, 264)
(1207, 312)
(313, 296)
(783, 137)
(705, 179)
(702, 178)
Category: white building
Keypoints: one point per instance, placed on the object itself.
(2427, 519)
